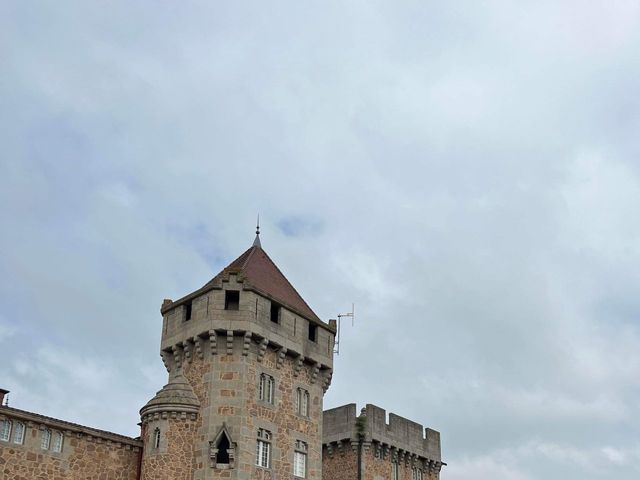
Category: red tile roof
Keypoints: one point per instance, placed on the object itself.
(260, 273)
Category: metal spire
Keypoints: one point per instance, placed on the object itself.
(256, 242)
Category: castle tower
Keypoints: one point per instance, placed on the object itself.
(248, 363)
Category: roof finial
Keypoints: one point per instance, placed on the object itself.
(256, 242)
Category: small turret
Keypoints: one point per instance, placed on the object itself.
(168, 430)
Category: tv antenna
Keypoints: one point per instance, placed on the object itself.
(336, 344)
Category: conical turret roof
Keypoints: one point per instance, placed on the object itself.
(175, 396)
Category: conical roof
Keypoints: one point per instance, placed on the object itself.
(175, 396)
(261, 274)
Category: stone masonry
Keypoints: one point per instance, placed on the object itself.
(401, 444)
(85, 453)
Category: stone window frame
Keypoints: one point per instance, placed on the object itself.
(19, 433)
(300, 394)
(264, 439)
(300, 450)
(45, 439)
(416, 473)
(395, 470)
(231, 450)
(5, 430)
(266, 388)
(157, 435)
(58, 441)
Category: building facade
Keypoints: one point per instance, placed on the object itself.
(248, 363)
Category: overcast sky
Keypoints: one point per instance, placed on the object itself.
(466, 172)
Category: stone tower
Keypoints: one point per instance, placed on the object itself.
(248, 363)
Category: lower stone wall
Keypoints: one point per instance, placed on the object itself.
(377, 468)
(80, 459)
(340, 464)
(175, 461)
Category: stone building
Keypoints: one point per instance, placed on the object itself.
(367, 447)
(248, 363)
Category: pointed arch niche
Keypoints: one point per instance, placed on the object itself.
(222, 450)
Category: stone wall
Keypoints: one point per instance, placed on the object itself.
(399, 441)
(222, 354)
(174, 459)
(86, 454)
(339, 463)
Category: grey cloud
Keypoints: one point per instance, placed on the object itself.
(466, 174)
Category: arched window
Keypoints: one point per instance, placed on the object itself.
(58, 438)
(266, 388)
(18, 435)
(46, 439)
(156, 438)
(5, 430)
(223, 450)
(302, 402)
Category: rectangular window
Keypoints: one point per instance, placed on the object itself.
(394, 471)
(300, 460)
(187, 311)
(275, 312)
(313, 331)
(266, 388)
(5, 430)
(231, 300)
(263, 448)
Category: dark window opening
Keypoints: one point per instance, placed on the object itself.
(223, 450)
(232, 300)
(313, 330)
(187, 311)
(275, 312)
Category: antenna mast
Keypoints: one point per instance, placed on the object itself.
(336, 345)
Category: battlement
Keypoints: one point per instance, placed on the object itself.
(401, 434)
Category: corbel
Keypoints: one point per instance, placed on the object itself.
(282, 353)
(229, 342)
(327, 379)
(196, 342)
(298, 365)
(177, 358)
(246, 344)
(314, 372)
(394, 454)
(186, 346)
(262, 349)
(354, 446)
(165, 361)
(385, 451)
(213, 344)
(330, 450)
